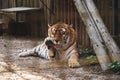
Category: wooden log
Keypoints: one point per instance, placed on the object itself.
(99, 48)
(114, 51)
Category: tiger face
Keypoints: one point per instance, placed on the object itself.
(60, 34)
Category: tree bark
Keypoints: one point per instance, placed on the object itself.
(93, 33)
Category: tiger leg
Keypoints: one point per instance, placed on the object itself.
(73, 60)
(27, 53)
(51, 55)
(51, 50)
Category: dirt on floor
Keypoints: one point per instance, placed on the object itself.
(13, 67)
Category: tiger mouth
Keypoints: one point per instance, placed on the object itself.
(57, 46)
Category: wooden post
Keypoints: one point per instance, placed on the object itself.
(114, 51)
(94, 35)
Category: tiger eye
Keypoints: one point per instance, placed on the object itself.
(63, 30)
(53, 30)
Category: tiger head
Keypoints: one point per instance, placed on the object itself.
(61, 34)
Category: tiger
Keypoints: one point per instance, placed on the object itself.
(60, 44)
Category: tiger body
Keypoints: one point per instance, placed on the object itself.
(40, 50)
(59, 45)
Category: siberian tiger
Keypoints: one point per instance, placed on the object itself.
(60, 44)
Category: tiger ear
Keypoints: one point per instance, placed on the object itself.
(71, 25)
(49, 25)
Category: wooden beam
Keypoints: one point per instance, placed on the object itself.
(93, 33)
(98, 33)
(114, 51)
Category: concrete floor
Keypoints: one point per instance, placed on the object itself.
(13, 67)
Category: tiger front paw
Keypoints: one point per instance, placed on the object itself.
(73, 63)
(52, 55)
(52, 60)
(49, 43)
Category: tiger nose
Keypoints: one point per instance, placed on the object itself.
(57, 41)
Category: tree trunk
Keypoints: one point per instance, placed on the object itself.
(93, 33)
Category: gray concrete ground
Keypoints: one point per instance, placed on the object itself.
(13, 67)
